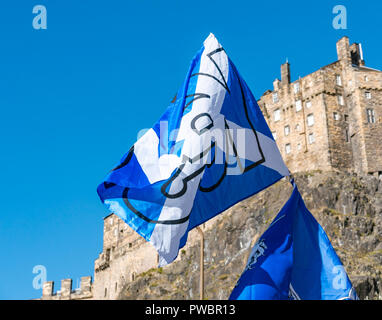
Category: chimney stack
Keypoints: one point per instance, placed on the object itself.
(285, 73)
(343, 52)
(350, 54)
(356, 54)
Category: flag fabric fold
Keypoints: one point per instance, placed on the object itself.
(295, 260)
(210, 149)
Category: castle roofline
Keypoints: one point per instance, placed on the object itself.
(364, 68)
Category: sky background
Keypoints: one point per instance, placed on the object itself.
(73, 98)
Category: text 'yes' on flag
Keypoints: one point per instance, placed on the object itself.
(210, 149)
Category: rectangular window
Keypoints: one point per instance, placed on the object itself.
(287, 148)
(311, 138)
(296, 87)
(286, 130)
(370, 115)
(299, 146)
(308, 104)
(338, 80)
(275, 97)
(346, 117)
(346, 135)
(368, 95)
(277, 115)
(336, 116)
(274, 134)
(341, 100)
(298, 105)
(310, 120)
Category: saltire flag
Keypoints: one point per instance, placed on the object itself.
(294, 260)
(210, 149)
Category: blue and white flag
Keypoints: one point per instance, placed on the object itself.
(294, 259)
(211, 149)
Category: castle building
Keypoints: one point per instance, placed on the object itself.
(331, 118)
(125, 254)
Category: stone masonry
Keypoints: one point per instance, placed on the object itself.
(328, 120)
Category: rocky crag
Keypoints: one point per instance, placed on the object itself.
(349, 208)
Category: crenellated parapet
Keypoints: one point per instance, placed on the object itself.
(84, 292)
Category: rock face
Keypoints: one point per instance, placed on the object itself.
(348, 207)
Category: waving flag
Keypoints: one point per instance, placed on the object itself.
(294, 259)
(211, 149)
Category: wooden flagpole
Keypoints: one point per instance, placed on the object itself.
(201, 285)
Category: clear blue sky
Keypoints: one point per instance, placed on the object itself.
(73, 98)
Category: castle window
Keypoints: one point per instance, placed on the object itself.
(346, 117)
(368, 95)
(311, 138)
(299, 146)
(105, 293)
(296, 87)
(366, 78)
(275, 97)
(297, 127)
(116, 287)
(370, 115)
(277, 115)
(111, 221)
(298, 105)
(336, 116)
(286, 130)
(274, 134)
(287, 148)
(308, 104)
(346, 135)
(310, 119)
(341, 100)
(338, 80)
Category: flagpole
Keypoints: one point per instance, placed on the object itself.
(201, 285)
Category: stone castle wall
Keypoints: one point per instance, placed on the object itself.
(325, 132)
(323, 121)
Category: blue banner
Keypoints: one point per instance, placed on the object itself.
(211, 149)
(294, 259)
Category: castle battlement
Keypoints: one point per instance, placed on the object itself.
(328, 120)
(84, 292)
